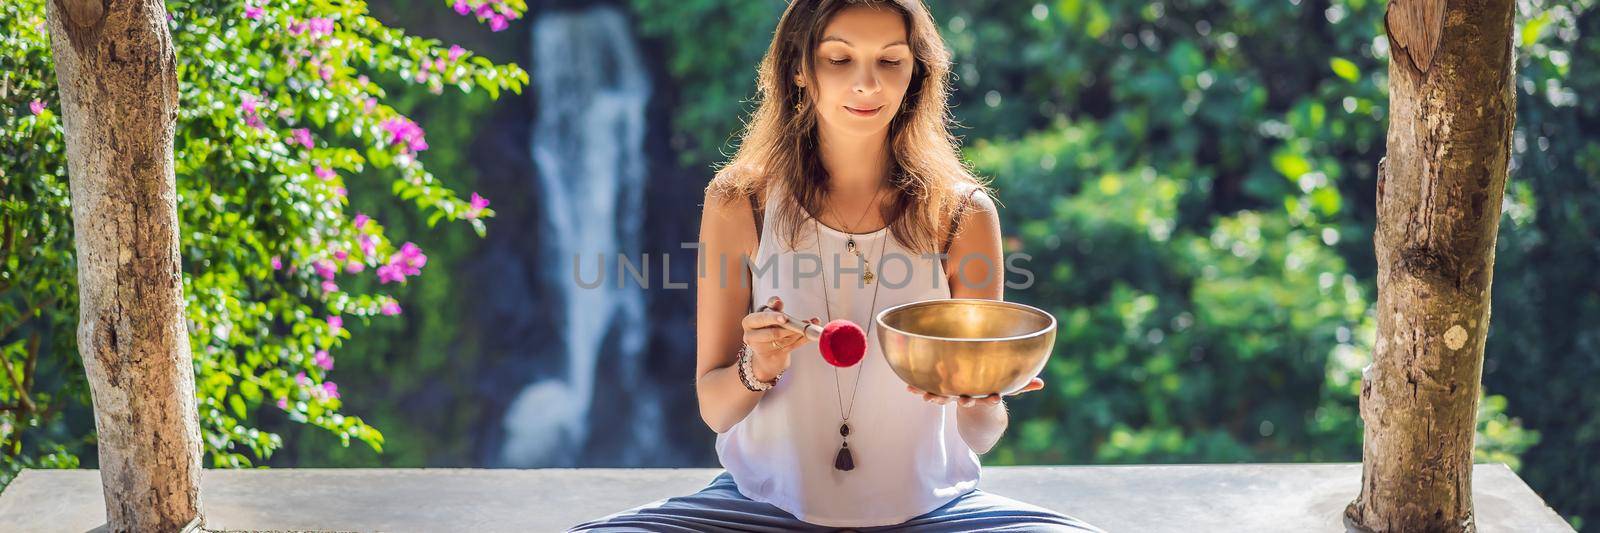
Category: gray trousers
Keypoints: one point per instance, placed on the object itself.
(720, 507)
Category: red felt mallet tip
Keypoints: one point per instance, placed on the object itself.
(843, 344)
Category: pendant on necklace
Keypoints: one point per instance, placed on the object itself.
(844, 461)
(866, 276)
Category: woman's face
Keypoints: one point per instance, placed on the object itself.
(863, 69)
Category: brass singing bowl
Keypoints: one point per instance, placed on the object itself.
(966, 346)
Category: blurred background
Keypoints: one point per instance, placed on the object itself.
(1193, 179)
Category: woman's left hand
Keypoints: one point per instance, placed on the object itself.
(967, 401)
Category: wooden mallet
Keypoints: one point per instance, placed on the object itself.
(842, 342)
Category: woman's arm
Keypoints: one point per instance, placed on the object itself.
(982, 276)
(727, 233)
(722, 316)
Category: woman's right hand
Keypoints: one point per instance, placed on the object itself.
(770, 343)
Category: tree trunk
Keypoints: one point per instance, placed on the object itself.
(119, 100)
(1452, 109)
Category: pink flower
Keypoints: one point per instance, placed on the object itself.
(323, 360)
(403, 130)
(277, 263)
(326, 72)
(407, 262)
(361, 220)
(456, 51)
(498, 22)
(341, 191)
(341, 255)
(323, 172)
(325, 268)
(301, 379)
(318, 27)
(369, 104)
(283, 403)
(36, 106)
(484, 10)
(462, 8)
(253, 12)
(302, 136)
(391, 307)
(412, 257)
(390, 272)
(336, 322)
(410, 249)
(369, 245)
(330, 286)
(354, 267)
(330, 389)
(476, 204)
(249, 107)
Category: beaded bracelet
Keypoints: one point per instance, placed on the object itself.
(747, 373)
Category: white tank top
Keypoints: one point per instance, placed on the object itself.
(909, 458)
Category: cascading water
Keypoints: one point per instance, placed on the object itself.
(592, 88)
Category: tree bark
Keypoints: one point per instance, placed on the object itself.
(1452, 111)
(116, 70)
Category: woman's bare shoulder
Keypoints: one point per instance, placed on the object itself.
(727, 219)
(976, 197)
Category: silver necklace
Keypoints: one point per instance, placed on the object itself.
(844, 460)
(850, 244)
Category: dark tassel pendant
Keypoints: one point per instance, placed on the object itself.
(844, 461)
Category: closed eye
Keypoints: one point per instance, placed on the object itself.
(888, 62)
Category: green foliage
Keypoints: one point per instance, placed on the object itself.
(397, 363)
(278, 117)
(1163, 326)
(714, 62)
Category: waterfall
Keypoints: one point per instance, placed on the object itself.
(592, 88)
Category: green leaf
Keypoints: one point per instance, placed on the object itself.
(251, 391)
(1290, 164)
(1531, 31)
(1345, 69)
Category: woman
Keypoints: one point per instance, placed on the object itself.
(849, 136)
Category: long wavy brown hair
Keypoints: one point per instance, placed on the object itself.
(779, 141)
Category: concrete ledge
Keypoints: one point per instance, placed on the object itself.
(1241, 497)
